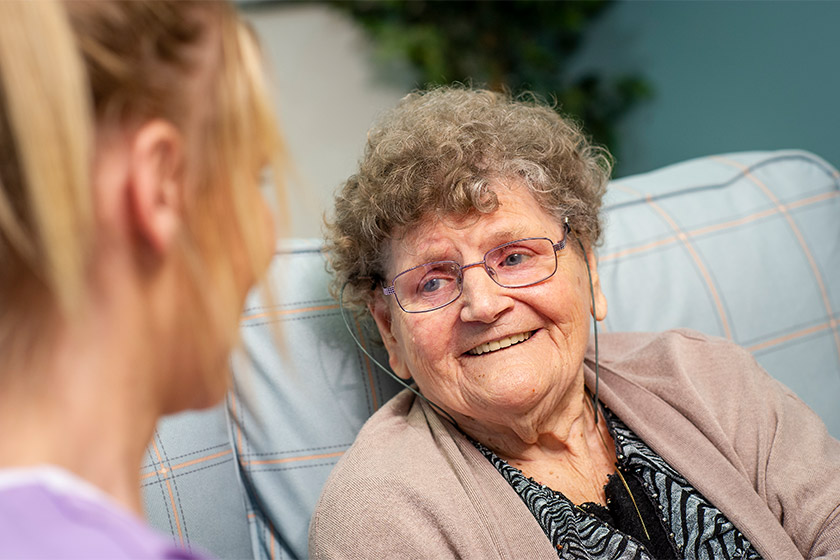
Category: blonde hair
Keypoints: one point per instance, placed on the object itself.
(175, 59)
(437, 153)
(45, 153)
(194, 64)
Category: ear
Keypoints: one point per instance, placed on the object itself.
(382, 315)
(600, 300)
(155, 183)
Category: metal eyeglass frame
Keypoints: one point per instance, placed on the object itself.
(558, 246)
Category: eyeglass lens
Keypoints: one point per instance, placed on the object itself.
(513, 265)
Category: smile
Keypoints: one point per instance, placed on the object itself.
(500, 344)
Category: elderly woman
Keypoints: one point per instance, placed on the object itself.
(132, 225)
(468, 233)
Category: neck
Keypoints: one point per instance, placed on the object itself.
(564, 449)
(554, 423)
(81, 403)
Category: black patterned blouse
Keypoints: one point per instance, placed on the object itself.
(661, 517)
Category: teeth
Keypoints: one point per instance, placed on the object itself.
(499, 344)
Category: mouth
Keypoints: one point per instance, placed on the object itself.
(500, 344)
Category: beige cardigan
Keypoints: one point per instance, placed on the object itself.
(412, 486)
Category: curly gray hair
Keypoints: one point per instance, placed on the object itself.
(437, 152)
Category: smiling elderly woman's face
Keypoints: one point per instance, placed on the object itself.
(541, 330)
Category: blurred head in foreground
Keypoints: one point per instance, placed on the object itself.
(133, 137)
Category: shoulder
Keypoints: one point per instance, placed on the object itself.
(715, 384)
(395, 473)
(680, 356)
(698, 375)
(687, 344)
(39, 519)
(387, 444)
(385, 461)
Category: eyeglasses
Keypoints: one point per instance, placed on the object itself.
(517, 264)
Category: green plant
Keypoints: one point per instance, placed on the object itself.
(521, 45)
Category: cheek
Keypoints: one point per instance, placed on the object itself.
(576, 289)
(269, 231)
(423, 344)
(564, 304)
(263, 241)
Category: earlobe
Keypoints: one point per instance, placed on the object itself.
(382, 315)
(598, 305)
(600, 311)
(155, 183)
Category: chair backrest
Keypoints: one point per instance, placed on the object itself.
(744, 246)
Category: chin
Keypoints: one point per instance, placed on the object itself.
(520, 402)
(514, 395)
(196, 401)
(216, 386)
(199, 387)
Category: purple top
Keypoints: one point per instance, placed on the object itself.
(46, 512)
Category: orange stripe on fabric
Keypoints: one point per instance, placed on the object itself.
(164, 470)
(279, 312)
(292, 459)
(201, 460)
(783, 209)
(718, 227)
(791, 336)
(814, 199)
(734, 223)
(171, 495)
(367, 367)
(628, 190)
(682, 237)
(236, 423)
(693, 233)
(271, 540)
(698, 261)
(639, 249)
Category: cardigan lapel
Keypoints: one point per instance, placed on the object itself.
(700, 455)
(499, 511)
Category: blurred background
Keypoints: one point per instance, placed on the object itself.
(657, 82)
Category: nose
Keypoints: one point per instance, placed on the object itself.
(482, 300)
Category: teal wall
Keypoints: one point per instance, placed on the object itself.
(727, 76)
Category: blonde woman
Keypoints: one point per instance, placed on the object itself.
(132, 137)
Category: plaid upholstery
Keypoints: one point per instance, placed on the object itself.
(191, 487)
(745, 246)
(314, 400)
